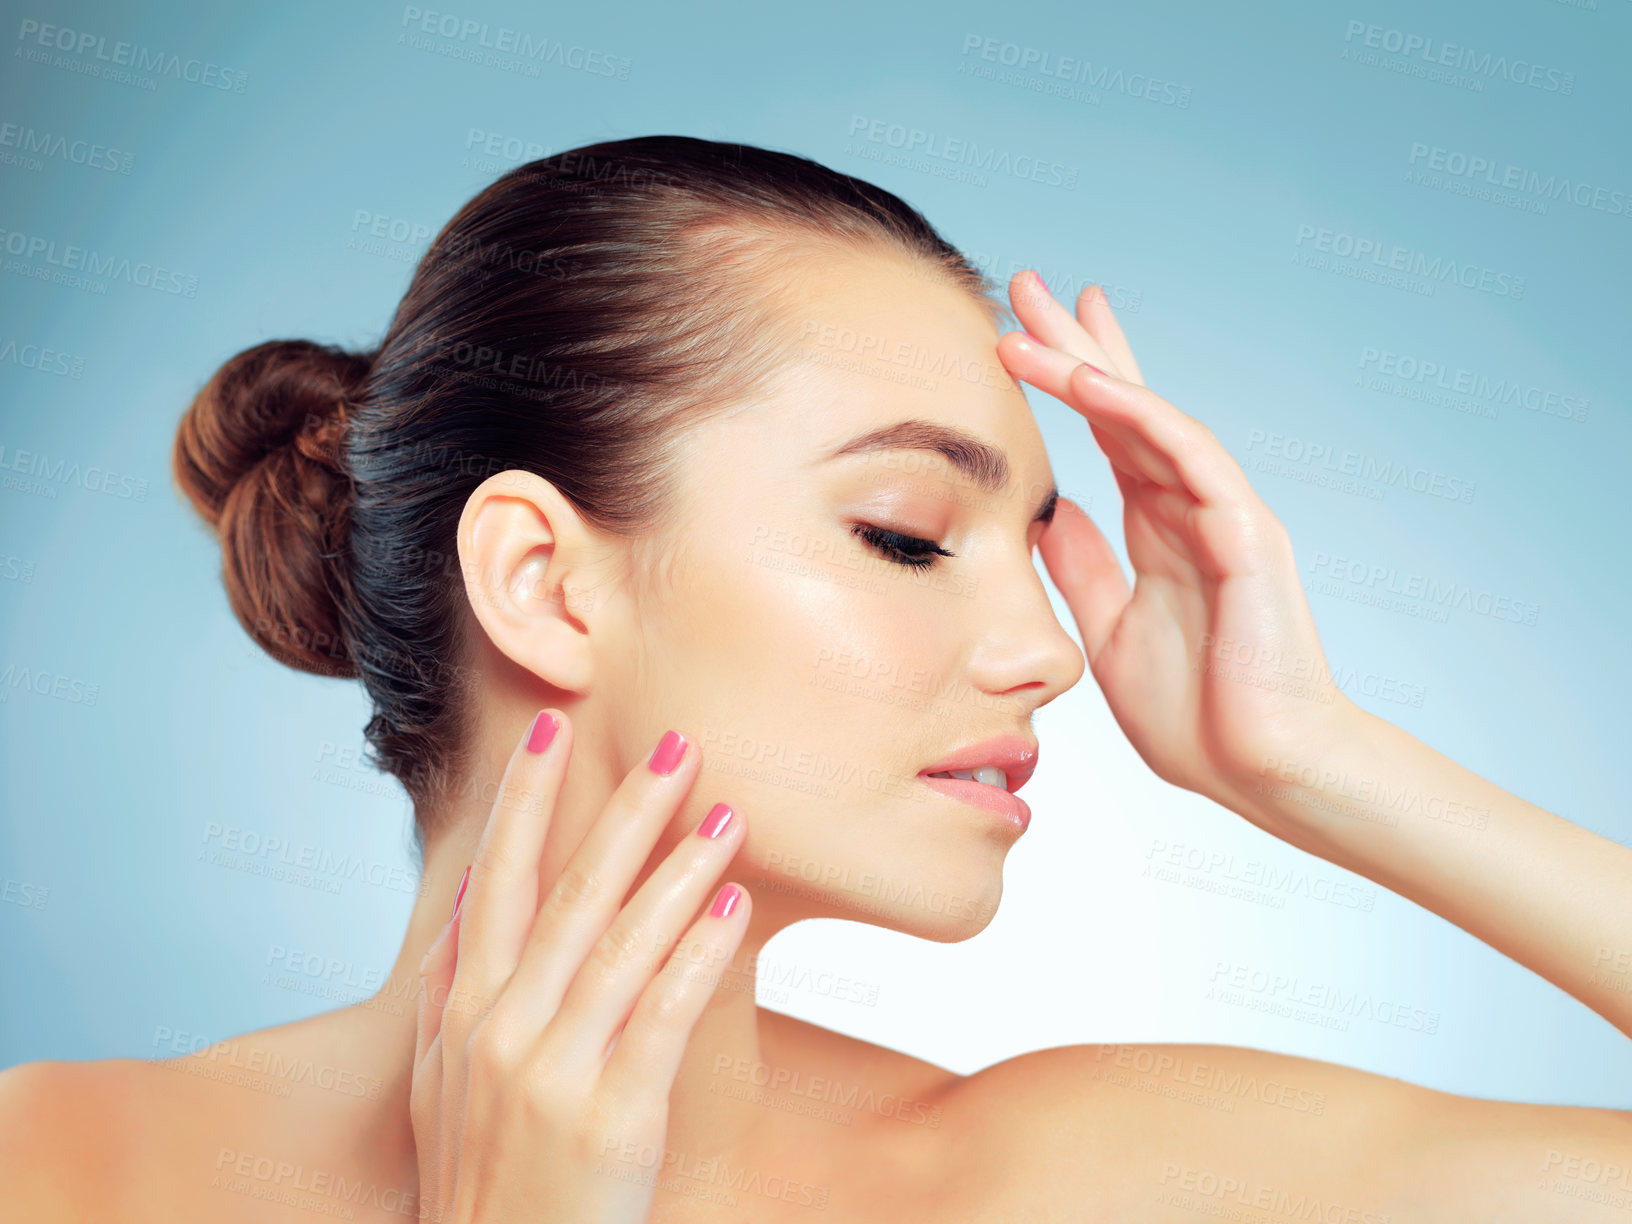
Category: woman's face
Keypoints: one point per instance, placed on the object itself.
(823, 675)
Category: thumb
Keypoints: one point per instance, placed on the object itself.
(435, 980)
(1082, 565)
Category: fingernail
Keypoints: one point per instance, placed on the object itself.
(724, 902)
(1042, 282)
(668, 752)
(714, 823)
(545, 725)
(460, 898)
(1096, 369)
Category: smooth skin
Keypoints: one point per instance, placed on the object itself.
(623, 644)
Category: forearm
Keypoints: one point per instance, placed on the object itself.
(1548, 893)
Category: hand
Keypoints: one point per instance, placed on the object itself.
(1210, 663)
(548, 1043)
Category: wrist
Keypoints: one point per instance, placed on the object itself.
(1302, 782)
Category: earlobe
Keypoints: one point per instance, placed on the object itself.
(521, 549)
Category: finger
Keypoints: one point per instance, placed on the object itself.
(1153, 510)
(501, 894)
(435, 980)
(1168, 513)
(1095, 314)
(627, 955)
(1188, 454)
(1053, 324)
(1050, 370)
(1205, 468)
(586, 897)
(1087, 572)
(1124, 466)
(652, 1043)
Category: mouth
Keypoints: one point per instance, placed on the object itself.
(1004, 762)
(991, 775)
(986, 774)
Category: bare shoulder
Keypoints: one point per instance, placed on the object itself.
(69, 1136)
(166, 1138)
(1169, 1130)
(788, 1040)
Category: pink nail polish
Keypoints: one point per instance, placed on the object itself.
(1042, 282)
(545, 726)
(714, 823)
(1096, 369)
(460, 898)
(668, 752)
(724, 902)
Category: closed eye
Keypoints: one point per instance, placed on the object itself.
(905, 550)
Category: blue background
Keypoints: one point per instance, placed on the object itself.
(1270, 123)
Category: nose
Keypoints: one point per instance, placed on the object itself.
(1023, 650)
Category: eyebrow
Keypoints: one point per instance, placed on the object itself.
(983, 464)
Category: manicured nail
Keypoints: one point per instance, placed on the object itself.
(460, 898)
(1042, 282)
(545, 725)
(1096, 369)
(724, 902)
(668, 752)
(714, 823)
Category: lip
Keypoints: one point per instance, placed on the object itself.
(1010, 808)
(1015, 755)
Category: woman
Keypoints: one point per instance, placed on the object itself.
(664, 436)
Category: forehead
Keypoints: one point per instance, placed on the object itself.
(880, 337)
(864, 341)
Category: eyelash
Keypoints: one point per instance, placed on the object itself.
(904, 550)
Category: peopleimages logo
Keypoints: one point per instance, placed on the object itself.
(71, 258)
(935, 147)
(39, 468)
(1410, 262)
(505, 148)
(119, 55)
(1508, 177)
(479, 38)
(1394, 472)
(1386, 582)
(1101, 77)
(32, 146)
(1460, 58)
(1403, 369)
(45, 360)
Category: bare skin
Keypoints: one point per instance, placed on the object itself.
(1071, 1133)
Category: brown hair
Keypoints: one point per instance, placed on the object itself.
(569, 321)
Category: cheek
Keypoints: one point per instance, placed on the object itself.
(764, 617)
(807, 646)
(778, 654)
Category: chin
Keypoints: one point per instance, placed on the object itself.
(934, 870)
(949, 912)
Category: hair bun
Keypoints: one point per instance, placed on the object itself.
(261, 455)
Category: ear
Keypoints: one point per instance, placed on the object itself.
(527, 557)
